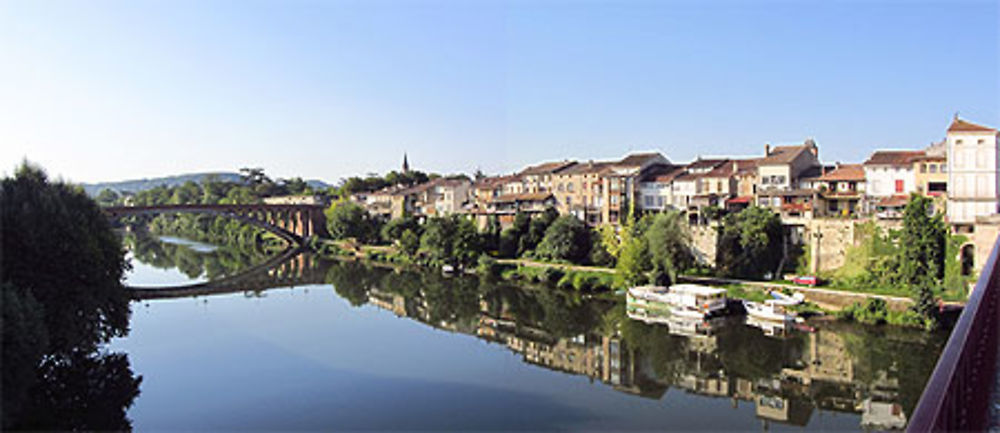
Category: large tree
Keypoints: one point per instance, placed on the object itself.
(922, 244)
(750, 243)
(346, 219)
(669, 246)
(567, 238)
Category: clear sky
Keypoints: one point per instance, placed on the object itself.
(96, 90)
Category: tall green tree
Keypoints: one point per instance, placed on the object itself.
(346, 219)
(567, 238)
(669, 246)
(749, 243)
(922, 244)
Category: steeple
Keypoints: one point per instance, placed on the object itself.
(406, 165)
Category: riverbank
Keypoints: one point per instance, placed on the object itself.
(593, 279)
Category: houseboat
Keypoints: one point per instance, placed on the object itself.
(658, 304)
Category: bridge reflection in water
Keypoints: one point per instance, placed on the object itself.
(292, 267)
(785, 376)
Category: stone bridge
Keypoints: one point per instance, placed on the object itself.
(292, 222)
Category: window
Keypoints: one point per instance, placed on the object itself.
(958, 142)
(933, 168)
(923, 168)
(614, 199)
(560, 187)
(659, 201)
(649, 201)
(944, 168)
(979, 141)
(718, 186)
(899, 186)
(569, 201)
(569, 187)
(765, 180)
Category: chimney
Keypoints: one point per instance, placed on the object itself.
(767, 149)
(811, 144)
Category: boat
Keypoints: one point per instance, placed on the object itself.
(770, 309)
(658, 304)
(783, 299)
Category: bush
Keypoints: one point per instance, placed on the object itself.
(488, 266)
(551, 276)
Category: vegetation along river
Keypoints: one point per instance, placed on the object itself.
(321, 344)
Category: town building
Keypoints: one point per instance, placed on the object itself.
(973, 167)
(539, 178)
(841, 191)
(889, 180)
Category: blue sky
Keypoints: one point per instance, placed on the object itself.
(325, 89)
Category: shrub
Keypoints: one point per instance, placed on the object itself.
(488, 266)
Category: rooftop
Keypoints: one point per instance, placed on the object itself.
(845, 172)
(959, 125)
(546, 168)
(894, 157)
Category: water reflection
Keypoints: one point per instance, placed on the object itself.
(786, 375)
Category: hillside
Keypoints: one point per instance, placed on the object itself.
(136, 185)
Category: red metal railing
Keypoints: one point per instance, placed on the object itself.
(957, 396)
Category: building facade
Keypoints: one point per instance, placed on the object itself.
(972, 163)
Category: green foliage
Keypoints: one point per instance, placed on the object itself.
(67, 257)
(567, 238)
(409, 243)
(451, 240)
(373, 182)
(488, 267)
(346, 220)
(393, 230)
(922, 244)
(633, 258)
(669, 246)
(875, 311)
(62, 298)
(749, 243)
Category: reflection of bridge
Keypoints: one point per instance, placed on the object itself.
(290, 268)
(293, 223)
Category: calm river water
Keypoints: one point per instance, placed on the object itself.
(317, 345)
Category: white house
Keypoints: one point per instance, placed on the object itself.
(889, 180)
(973, 190)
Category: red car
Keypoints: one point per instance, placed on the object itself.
(806, 281)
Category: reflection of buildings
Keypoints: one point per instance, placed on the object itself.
(819, 374)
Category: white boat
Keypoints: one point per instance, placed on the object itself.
(657, 304)
(769, 310)
(783, 299)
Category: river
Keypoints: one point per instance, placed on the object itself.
(315, 344)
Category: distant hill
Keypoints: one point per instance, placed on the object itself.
(136, 185)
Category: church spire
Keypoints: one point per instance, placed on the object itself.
(406, 165)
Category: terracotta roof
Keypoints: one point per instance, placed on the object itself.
(846, 172)
(637, 159)
(746, 166)
(537, 196)
(588, 167)
(487, 182)
(959, 125)
(726, 170)
(705, 163)
(783, 154)
(741, 199)
(894, 201)
(546, 168)
(894, 157)
(664, 174)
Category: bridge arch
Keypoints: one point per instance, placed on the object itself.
(293, 223)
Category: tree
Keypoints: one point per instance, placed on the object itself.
(254, 176)
(669, 246)
(451, 240)
(567, 238)
(922, 243)
(67, 257)
(345, 219)
(749, 243)
(107, 197)
(393, 230)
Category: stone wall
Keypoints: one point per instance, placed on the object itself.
(703, 239)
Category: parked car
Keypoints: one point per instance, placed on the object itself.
(806, 280)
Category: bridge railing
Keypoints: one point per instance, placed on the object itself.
(957, 396)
